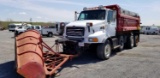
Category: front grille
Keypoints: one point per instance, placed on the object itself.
(75, 31)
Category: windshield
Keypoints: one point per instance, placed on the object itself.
(92, 15)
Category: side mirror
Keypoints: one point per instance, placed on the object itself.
(76, 13)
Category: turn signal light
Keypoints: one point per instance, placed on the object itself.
(93, 39)
(89, 24)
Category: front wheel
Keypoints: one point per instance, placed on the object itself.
(104, 50)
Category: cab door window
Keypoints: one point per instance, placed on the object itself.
(111, 16)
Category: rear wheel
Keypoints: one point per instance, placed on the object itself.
(121, 43)
(50, 34)
(104, 50)
(130, 41)
(136, 40)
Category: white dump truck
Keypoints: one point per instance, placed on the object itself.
(102, 29)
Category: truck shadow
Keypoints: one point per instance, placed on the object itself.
(7, 70)
(85, 58)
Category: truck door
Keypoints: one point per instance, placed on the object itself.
(112, 23)
(53, 29)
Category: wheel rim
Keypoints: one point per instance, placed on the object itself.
(107, 51)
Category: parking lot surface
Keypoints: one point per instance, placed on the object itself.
(140, 62)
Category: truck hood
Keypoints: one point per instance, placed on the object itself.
(83, 22)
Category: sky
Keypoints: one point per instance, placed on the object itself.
(63, 10)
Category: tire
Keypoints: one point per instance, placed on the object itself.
(135, 40)
(15, 56)
(130, 41)
(104, 50)
(50, 34)
(121, 43)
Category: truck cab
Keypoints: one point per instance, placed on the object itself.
(93, 25)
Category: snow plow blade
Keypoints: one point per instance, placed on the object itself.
(32, 61)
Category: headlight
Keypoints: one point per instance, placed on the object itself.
(93, 39)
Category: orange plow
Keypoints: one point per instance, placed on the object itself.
(31, 59)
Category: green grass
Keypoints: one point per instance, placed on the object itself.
(6, 23)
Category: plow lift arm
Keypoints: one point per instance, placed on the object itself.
(31, 59)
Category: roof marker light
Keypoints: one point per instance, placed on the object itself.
(85, 8)
(101, 7)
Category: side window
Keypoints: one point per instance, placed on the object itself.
(52, 27)
(111, 16)
(37, 27)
